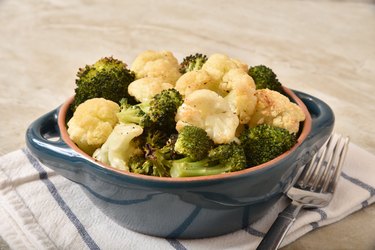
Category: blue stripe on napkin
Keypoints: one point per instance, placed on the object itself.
(176, 244)
(356, 182)
(60, 201)
(359, 183)
(43, 176)
(323, 214)
(254, 232)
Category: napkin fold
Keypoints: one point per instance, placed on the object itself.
(42, 210)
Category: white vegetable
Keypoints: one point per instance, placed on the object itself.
(119, 146)
(194, 80)
(92, 123)
(217, 65)
(241, 96)
(145, 88)
(161, 64)
(275, 109)
(208, 110)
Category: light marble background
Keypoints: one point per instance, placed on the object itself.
(324, 48)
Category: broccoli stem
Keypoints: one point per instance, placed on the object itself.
(129, 116)
(186, 168)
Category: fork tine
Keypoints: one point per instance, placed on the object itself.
(314, 166)
(315, 188)
(307, 171)
(331, 166)
(325, 164)
(338, 154)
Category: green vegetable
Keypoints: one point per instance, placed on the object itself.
(163, 108)
(192, 62)
(153, 166)
(193, 142)
(108, 78)
(134, 114)
(264, 143)
(154, 138)
(145, 141)
(265, 78)
(158, 113)
(140, 165)
(157, 152)
(223, 158)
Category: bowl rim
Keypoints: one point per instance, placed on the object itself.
(307, 124)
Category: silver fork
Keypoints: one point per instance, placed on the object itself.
(313, 189)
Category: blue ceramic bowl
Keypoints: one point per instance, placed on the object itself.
(180, 207)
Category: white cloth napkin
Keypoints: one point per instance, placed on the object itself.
(42, 210)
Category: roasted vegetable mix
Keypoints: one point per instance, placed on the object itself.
(202, 116)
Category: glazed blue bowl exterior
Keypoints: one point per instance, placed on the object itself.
(185, 207)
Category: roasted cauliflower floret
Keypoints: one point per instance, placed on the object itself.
(145, 88)
(157, 64)
(194, 80)
(217, 65)
(277, 110)
(119, 146)
(241, 93)
(207, 110)
(92, 123)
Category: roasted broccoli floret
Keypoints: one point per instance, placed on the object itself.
(158, 113)
(223, 158)
(264, 143)
(231, 157)
(192, 62)
(158, 138)
(155, 138)
(158, 160)
(163, 107)
(193, 142)
(108, 78)
(158, 150)
(149, 165)
(140, 165)
(133, 114)
(265, 78)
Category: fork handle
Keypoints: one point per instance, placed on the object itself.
(280, 227)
